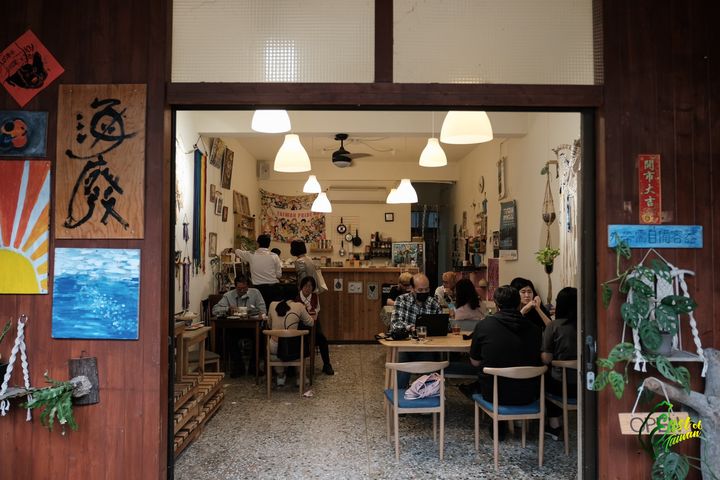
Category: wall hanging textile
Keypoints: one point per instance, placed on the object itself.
(288, 218)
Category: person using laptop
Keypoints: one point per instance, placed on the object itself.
(407, 308)
(506, 339)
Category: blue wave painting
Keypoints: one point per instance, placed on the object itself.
(96, 293)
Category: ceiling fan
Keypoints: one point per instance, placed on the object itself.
(341, 157)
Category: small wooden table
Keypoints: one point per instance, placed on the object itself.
(449, 343)
(187, 339)
(237, 322)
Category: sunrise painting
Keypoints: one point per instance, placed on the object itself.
(24, 226)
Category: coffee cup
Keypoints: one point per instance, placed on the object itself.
(242, 310)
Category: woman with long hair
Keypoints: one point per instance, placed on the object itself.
(468, 307)
(560, 343)
(286, 314)
(531, 305)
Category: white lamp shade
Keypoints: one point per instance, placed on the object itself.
(292, 157)
(392, 196)
(270, 121)
(321, 204)
(433, 154)
(405, 192)
(466, 127)
(312, 185)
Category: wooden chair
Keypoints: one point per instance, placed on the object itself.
(395, 400)
(533, 411)
(567, 404)
(300, 362)
(212, 359)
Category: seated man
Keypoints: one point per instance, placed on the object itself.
(506, 339)
(241, 296)
(403, 286)
(407, 308)
(445, 293)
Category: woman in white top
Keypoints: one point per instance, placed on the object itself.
(468, 308)
(286, 315)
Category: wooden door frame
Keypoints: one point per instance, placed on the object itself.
(584, 99)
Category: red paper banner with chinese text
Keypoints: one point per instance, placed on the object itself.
(649, 188)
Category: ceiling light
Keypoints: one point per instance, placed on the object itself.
(271, 121)
(461, 127)
(312, 185)
(392, 196)
(321, 204)
(433, 154)
(405, 192)
(292, 157)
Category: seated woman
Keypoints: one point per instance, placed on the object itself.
(404, 286)
(468, 310)
(530, 304)
(445, 293)
(309, 297)
(560, 343)
(287, 315)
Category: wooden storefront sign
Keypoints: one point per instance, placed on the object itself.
(632, 423)
(649, 189)
(657, 236)
(100, 175)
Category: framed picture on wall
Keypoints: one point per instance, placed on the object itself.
(501, 178)
(212, 244)
(212, 192)
(227, 166)
(218, 204)
(224, 214)
(389, 217)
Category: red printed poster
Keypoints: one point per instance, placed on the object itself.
(27, 68)
(649, 188)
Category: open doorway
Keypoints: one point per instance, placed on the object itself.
(357, 193)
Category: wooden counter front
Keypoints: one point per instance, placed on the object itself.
(348, 316)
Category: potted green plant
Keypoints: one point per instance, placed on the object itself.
(546, 257)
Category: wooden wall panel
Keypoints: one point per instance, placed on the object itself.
(661, 96)
(124, 436)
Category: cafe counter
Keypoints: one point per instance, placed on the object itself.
(350, 309)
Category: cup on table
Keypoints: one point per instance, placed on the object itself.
(455, 328)
(242, 311)
(421, 333)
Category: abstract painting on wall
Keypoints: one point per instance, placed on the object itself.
(23, 134)
(96, 293)
(24, 226)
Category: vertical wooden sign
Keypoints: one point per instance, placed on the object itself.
(100, 175)
(649, 181)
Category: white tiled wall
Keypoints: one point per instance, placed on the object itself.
(273, 41)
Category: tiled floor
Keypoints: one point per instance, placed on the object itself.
(339, 433)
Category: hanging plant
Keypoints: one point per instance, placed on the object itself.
(56, 403)
(547, 256)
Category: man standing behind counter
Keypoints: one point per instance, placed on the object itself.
(265, 268)
(407, 308)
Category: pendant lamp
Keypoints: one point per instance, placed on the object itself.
(292, 156)
(312, 185)
(433, 154)
(270, 121)
(461, 127)
(392, 197)
(321, 204)
(405, 192)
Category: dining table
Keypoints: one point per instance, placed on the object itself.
(220, 324)
(447, 343)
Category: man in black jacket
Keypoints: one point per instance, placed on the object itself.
(507, 339)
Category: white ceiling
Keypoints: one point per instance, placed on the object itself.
(399, 136)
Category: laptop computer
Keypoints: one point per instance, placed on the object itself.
(436, 323)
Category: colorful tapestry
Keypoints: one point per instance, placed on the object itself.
(199, 214)
(96, 293)
(27, 68)
(24, 226)
(288, 218)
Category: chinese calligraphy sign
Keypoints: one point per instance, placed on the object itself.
(649, 189)
(100, 161)
(27, 68)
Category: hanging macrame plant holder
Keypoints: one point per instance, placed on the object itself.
(548, 216)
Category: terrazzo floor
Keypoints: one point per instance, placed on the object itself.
(339, 433)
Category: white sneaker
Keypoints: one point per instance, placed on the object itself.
(281, 381)
(297, 381)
